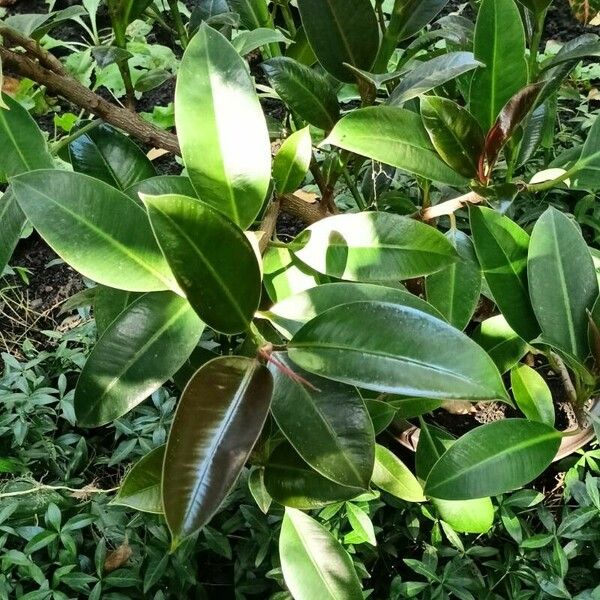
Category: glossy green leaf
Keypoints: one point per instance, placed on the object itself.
(409, 408)
(109, 303)
(455, 290)
(217, 270)
(493, 459)
(394, 136)
(160, 185)
(109, 238)
(500, 341)
(141, 349)
(3, 104)
(229, 171)
(500, 46)
(140, 489)
(341, 31)
(290, 314)
(23, 145)
(307, 92)
(562, 282)
(431, 74)
(12, 221)
(454, 132)
(382, 414)
(373, 246)
(394, 477)
(249, 41)
(292, 482)
(314, 563)
(532, 394)
(292, 161)
(588, 176)
(199, 357)
(106, 154)
(361, 524)
(256, 485)
(326, 422)
(253, 13)
(501, 247)
(284, 275)
(466, 516)
(396, 349)
(218, 420)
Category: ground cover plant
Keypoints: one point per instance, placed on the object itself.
(439, 289)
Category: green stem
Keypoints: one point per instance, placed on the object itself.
(129, 89)
(66, 140)
(548, 185)
(354, 190)
(288, 19)
(390, 37)
(178, 22)
(156, 16)
(536, 39)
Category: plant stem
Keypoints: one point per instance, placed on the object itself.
(548, 185)
(390, 38)
(66, 140)
(288, 19)
(156, 16)
(354, 190)
(178, 22)
(39, 487)
(536, 38)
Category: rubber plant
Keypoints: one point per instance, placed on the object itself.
(295, 358)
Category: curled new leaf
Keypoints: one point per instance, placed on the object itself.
(218, 420)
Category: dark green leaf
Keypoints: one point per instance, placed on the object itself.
(141, 349)
(455, 134)
(394, 136)
(305, 91)
(289, 315)
(326, 422)
(562, 282)
(140, 489)
(396, 349)
(503, 345)
(501, 247)
(291, 482)
(218, 270)
(341, 31)
(218, 420)
(373, 246)
(161, 185)
(109, 303)
(455, 290)
(109, 238)
(229, 171)
(493, 459)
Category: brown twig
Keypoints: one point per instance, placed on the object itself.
(305, 211)
(267, 227)
(450, 206)
(73, 91)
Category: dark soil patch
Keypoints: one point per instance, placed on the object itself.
(28, 310)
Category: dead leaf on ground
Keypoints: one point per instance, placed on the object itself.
(118, 557)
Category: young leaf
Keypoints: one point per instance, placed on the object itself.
(361, 524)
(588, 177)
(493, 459)
(292, 161)
(394, 477)
(532, 394)
(394, 136)
(218, 420)
(562, 282)
(141, 349)
(106, 154)
(510, 117)
(341, 31)
(314, 563)
(229, 171)
(501, 247)
(290, 314)
(455, 134)
(256, 485)
(431, 74)
(401, 351)
(140, 489)
(12, 221)
(326, 422)
(253, 13)
(95, 228)
(373, 246)
(304, 90)
(292, 482)
(500, 46)
(217, 270)
(455, 290)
